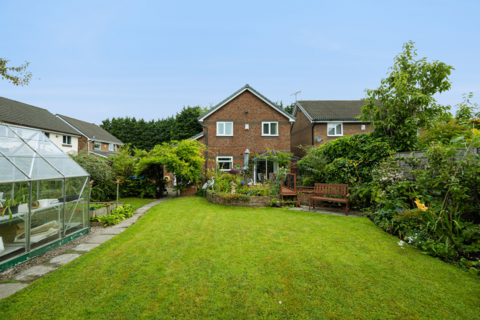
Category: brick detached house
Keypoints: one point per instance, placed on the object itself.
(244, 120)
(320, 121)
(93, 138)
(28, 116)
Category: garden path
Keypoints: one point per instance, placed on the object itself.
(24, 278)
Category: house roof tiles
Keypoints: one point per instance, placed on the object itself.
(91, 130)
(23, 114)
(326, 110)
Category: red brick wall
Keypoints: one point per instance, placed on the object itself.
(242, 139)
(349, 129)
(190, 191)
(302, 132)
(82, 143)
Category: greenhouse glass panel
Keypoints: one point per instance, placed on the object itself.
(14, 199)
(8, 172)
(76, 209)
(44, 195)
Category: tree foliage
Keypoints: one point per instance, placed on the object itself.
(146, 135)
(183, 158)
(19, 76)
(288, 108)
(404, 102)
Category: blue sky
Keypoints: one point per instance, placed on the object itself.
(148, 59)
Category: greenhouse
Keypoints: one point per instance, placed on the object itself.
(44, 195)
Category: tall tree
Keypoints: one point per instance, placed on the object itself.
(19, 76)
(404, 102)
(288, 108)
(186, 124)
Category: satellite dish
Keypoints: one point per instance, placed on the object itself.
(319, 138)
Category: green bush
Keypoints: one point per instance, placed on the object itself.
(436, 207)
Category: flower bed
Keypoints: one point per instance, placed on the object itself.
(252, 201)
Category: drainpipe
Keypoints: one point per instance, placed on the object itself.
(313, 141)
(206, 145)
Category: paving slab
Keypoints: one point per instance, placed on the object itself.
(101, 238)
(65, 258)
(113, 231)
(85, 247)
(34, 273)
(124, 224)
(7, 289)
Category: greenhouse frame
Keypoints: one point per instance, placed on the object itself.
(44, 195)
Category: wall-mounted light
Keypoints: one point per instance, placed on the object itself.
(363, 127)
(246, 111)
(247, 127)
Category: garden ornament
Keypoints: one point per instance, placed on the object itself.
(234, 186)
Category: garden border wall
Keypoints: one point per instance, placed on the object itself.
(252, 201)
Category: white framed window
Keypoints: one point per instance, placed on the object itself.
(335, 129)
(110, 147)
(67, 140)
(269, 128)
(225, 163)
(224, 128)
(96, 146)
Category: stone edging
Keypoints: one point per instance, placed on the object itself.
(252, 201)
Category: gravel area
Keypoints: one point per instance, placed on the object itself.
(44, 258)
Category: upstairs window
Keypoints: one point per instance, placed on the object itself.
(224, 128)
(225, 163)
(67, 140)
(335, 129)
(269, 128)
(96, 146)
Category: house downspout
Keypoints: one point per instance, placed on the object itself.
(206, 145)
(313, 140)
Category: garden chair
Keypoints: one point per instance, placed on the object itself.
(322, 190)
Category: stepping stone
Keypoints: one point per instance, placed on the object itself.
(113, 231)
(34, 273)
(99, 239)
(124, 224)
(7, 289)
(85, 247)
(65, 258)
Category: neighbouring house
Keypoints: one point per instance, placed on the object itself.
(93, 138)
(25, 115)
(320, 121)
(244, 120)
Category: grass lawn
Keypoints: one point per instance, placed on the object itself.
(189, 259)
(136, 202)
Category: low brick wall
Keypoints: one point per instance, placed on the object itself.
(190, 191)
(252, 201)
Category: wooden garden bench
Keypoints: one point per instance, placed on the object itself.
(324, 189)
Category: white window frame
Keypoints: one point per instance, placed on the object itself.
(269, 134)
(65, 140)
(111, 147)
(335, 124)
(95, 146)
(225, 157)
(224, 129)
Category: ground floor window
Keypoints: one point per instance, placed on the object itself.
(225, 163)
(96, 146)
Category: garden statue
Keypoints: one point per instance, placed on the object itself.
(234, 186)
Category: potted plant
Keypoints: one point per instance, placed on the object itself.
(10, 206)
